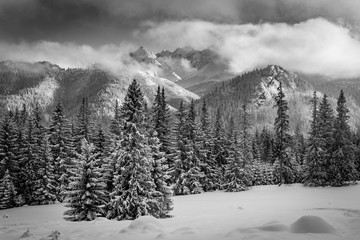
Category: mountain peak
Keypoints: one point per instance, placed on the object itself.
(143, 55)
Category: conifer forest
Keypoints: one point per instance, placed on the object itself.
(148, 152)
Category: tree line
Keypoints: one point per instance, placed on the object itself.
(149, 153)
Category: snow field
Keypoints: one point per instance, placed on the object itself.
(264, 212)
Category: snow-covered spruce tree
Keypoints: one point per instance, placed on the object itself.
(219, 152)
(237, 177)
(84, 125)
(284, 169)
(188, 174)
(208, 167)
(101, 144)
(115, 124)
(326, 138)
(7, 191)
(8, 146)
(160, 175)
(298, 153)
(62, 149)
(315, 174)
(181, 151)
(30, 164)
(161, 124)
(86, 194)
(45, 191)
(342, 165)
(245, 142)
(160, 120)
(134, 194)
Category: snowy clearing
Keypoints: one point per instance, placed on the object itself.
(264, 212)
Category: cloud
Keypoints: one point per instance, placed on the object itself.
(113, 57)
(315, 46)
(96, 23)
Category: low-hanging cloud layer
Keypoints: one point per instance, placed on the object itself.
(315, 46)
(315, 37)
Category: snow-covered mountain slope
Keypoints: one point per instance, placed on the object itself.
(162, 70)
(258, 89)
(192, 69)
(264, 212)
(26, 83)
(208, 68)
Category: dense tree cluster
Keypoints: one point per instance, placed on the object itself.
(133, 166)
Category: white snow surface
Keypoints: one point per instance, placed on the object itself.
(265, 212)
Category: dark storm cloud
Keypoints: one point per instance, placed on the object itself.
(311, 36)
(98, 22)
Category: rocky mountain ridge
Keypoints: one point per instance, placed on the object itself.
(27, 83)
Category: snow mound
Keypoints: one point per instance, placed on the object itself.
(146, 223)
(184, 231)
(27, 234)
(311, 224)
(274, 227)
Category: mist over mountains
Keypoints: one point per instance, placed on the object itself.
(185, 73)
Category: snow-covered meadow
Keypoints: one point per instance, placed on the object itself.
(264, 212)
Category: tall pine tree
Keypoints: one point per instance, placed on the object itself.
(284, 168)
(342, 165)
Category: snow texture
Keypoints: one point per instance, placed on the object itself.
(264, 212)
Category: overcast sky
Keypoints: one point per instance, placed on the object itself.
(312, 36)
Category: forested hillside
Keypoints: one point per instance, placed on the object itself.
(46, 84)
(257, 89)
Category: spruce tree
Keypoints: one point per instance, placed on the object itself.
(115, 124)
(219, 152)
(84, 124)
(298, 146)
(134, 193)
(8, 146)
(7, 191)
(62, 149)
(207, 163)
(342, 165)
(284, 169)
(187, 165)
(160, 175)
(44, 191)
(245, 135)
(86, 194)
(237, 177)
(326, 138)
(30, 161)
(160, 123)
(315, 169)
